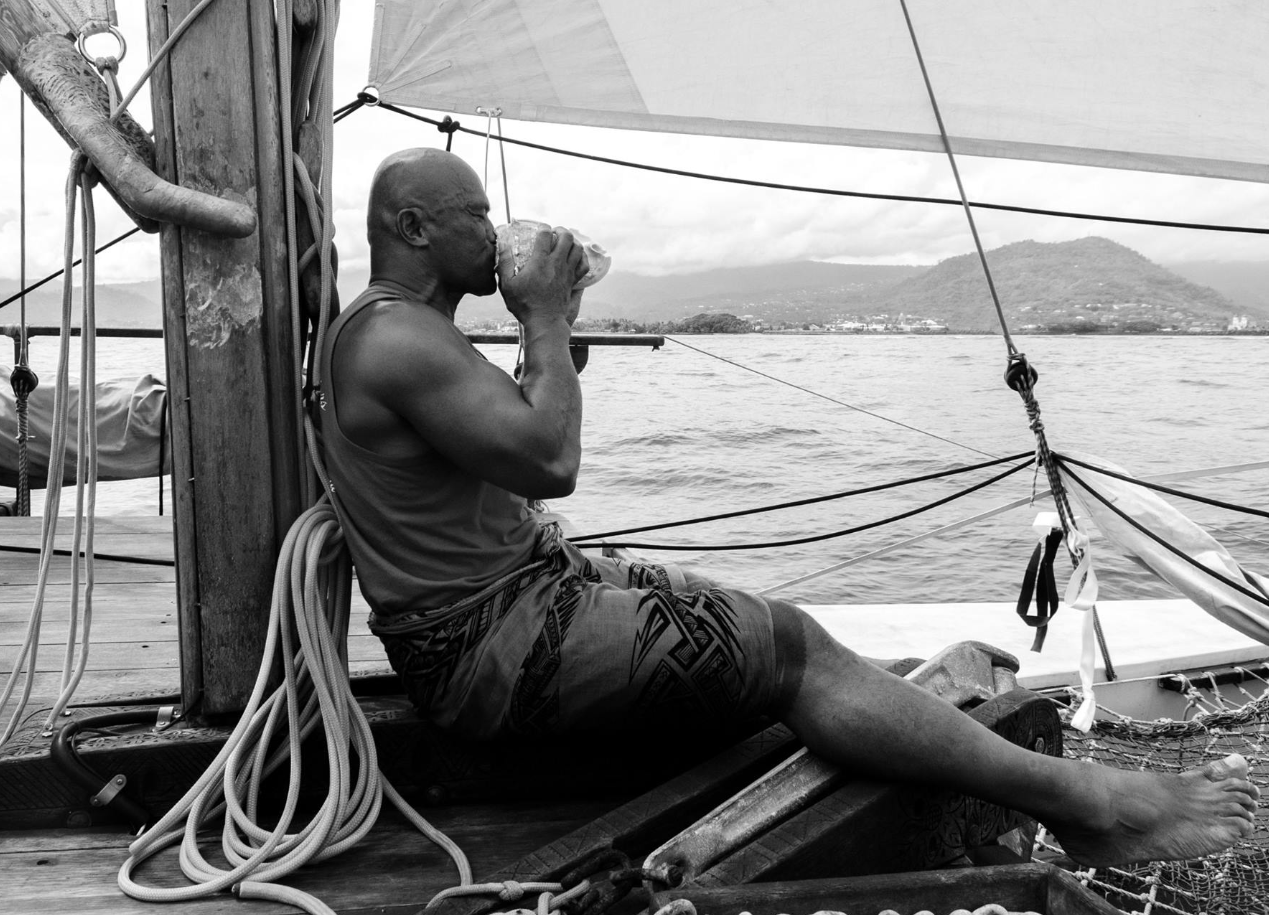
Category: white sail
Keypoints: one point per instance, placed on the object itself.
(1178, 86)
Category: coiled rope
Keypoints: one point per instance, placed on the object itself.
(311, 600)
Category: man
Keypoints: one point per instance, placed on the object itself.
(498, 626)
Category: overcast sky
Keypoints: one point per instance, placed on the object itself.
(657, 224)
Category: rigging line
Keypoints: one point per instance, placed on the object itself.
(960, 187)
(502, 158)
(1000, 509)
(945, 529)
(159, 56)
(23, 352)
(1180, 493)
(52, 276)
(800, 502)
(833, 192)
(1254, 595)
(817, 537)
(840, 403)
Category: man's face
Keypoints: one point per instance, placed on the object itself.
(465, 245)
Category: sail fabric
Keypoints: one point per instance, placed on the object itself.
(1234, 608)
(1179, 86)
(129, 431)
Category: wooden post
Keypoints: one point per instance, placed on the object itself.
(227, 325)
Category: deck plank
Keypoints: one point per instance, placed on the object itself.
(394, 870)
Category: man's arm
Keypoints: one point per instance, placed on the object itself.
(525, 438)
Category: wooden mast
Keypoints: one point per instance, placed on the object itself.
(235, 459)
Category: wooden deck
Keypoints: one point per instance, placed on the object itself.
(134, 657)
(134, 651)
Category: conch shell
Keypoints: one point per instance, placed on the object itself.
(517, 238)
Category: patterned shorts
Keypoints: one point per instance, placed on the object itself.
(570, 643)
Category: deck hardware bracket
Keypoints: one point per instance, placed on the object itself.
(108, 791)
(166, 717)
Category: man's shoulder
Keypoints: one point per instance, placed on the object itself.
(395, 339)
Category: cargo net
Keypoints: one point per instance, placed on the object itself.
(1225, 719)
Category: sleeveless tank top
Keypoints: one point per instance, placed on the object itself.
(422, 532)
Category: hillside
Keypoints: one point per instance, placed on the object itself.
(1067, 283)
(1090, 280)
(121, 305)
(762, 291)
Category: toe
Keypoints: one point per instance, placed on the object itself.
(1232, 766)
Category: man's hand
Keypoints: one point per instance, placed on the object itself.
(543, 289)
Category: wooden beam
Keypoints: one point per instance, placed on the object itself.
(229, 343)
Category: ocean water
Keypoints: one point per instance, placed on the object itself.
(680, 433)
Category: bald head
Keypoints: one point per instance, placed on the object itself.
(428, 224)
(429, 179)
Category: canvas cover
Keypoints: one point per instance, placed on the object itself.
(1177, 86)
(129, 430)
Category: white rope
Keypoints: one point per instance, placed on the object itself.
(85, 466)
(29, 653)
(311, 599)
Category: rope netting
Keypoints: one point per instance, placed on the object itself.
(1233, 882)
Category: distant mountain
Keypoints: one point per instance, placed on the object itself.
(118, 305)
(1039, 284)
(1090, 279)
(741, 290)
(1245, 283)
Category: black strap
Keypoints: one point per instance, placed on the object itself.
(1039, 581)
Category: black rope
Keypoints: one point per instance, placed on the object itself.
(840, 403)
(340, 113)
(1063, 459)
(800, 502)
(1255, 595)
(137, 560)
(834, 192)
(52, 276)
(817, 537)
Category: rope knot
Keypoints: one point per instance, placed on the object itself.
(511, 891)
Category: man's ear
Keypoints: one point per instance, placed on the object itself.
(412, 227)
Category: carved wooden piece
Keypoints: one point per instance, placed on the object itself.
(868, 827)
(961, 673)
(66, 89)
(235, 454)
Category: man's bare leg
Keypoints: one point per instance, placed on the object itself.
(857, 715)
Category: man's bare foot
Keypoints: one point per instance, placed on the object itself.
(1147, 816)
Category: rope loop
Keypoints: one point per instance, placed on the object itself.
(368, 98)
